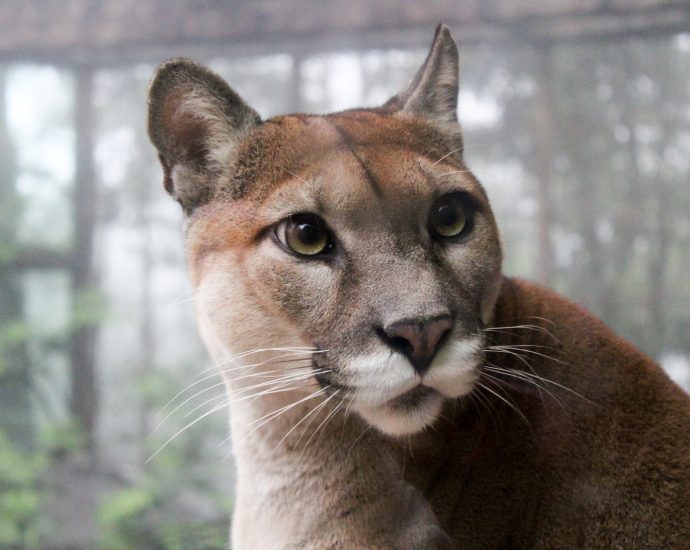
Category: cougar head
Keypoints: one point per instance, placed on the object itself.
(360, 234)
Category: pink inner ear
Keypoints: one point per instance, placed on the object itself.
(186, 133)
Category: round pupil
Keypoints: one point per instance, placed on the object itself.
(308, 233)
(447, 215)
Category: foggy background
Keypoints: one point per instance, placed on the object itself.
(576, 120)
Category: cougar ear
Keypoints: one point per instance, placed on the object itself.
(195, 120)
(433, 93)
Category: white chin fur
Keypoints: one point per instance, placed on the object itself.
(382, 377)
(403, 421)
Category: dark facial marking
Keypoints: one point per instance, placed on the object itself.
(347, 140)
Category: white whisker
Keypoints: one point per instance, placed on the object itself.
(537, 377)
(292, 377)
(204, 403)
(511, 405)
(298, 177)
(178, 407)
(447, 155)
(182, 430)
(281, 411)
(366, 429)
(453, 172)
(509, 329)
(201, 392)
(323, 422)
(311, 414)
(514, 350)
(233, 358)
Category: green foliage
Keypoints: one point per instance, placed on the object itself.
(123, 518)
(125, 506)
(6, 252)
(13, 333)
(21, 496)
(58, 440)
(195, 536)
(161, 512)
(142, 517)
(90, 308)
(136, 519)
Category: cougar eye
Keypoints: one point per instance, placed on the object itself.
(449, 215)
(304, 234)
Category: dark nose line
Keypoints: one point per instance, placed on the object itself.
(417, 339)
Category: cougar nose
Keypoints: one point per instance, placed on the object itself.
(418, 339)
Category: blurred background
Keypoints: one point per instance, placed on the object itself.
(577, 120)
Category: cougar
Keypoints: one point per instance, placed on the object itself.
(388, 386)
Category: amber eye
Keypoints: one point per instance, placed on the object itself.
(304, 234)
(449, 216)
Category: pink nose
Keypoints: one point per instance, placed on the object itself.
(418, 340)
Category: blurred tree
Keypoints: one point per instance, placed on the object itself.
(601, 132)
(15, 380)
(544, 152)
(84, 399)
(623, 195)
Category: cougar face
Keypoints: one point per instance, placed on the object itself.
(359, 234)
(371, 251)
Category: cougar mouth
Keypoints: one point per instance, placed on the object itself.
(412, 399)
(406, 414)
(388, 394)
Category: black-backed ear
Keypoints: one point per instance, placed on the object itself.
(433, 93)
(195, 121)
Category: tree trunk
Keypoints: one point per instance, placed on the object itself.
(15, 372)
(662, 218)
(147, 340)
(84, 402)
(544, 132)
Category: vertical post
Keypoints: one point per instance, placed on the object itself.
(146, 327)
(15, 372)
(662, 228)
(544, 133)
(84, 401)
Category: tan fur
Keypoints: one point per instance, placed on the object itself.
(534, 426)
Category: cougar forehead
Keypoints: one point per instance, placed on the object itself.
(372, 177)
(335, 164)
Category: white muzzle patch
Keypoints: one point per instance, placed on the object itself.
(391, 396)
